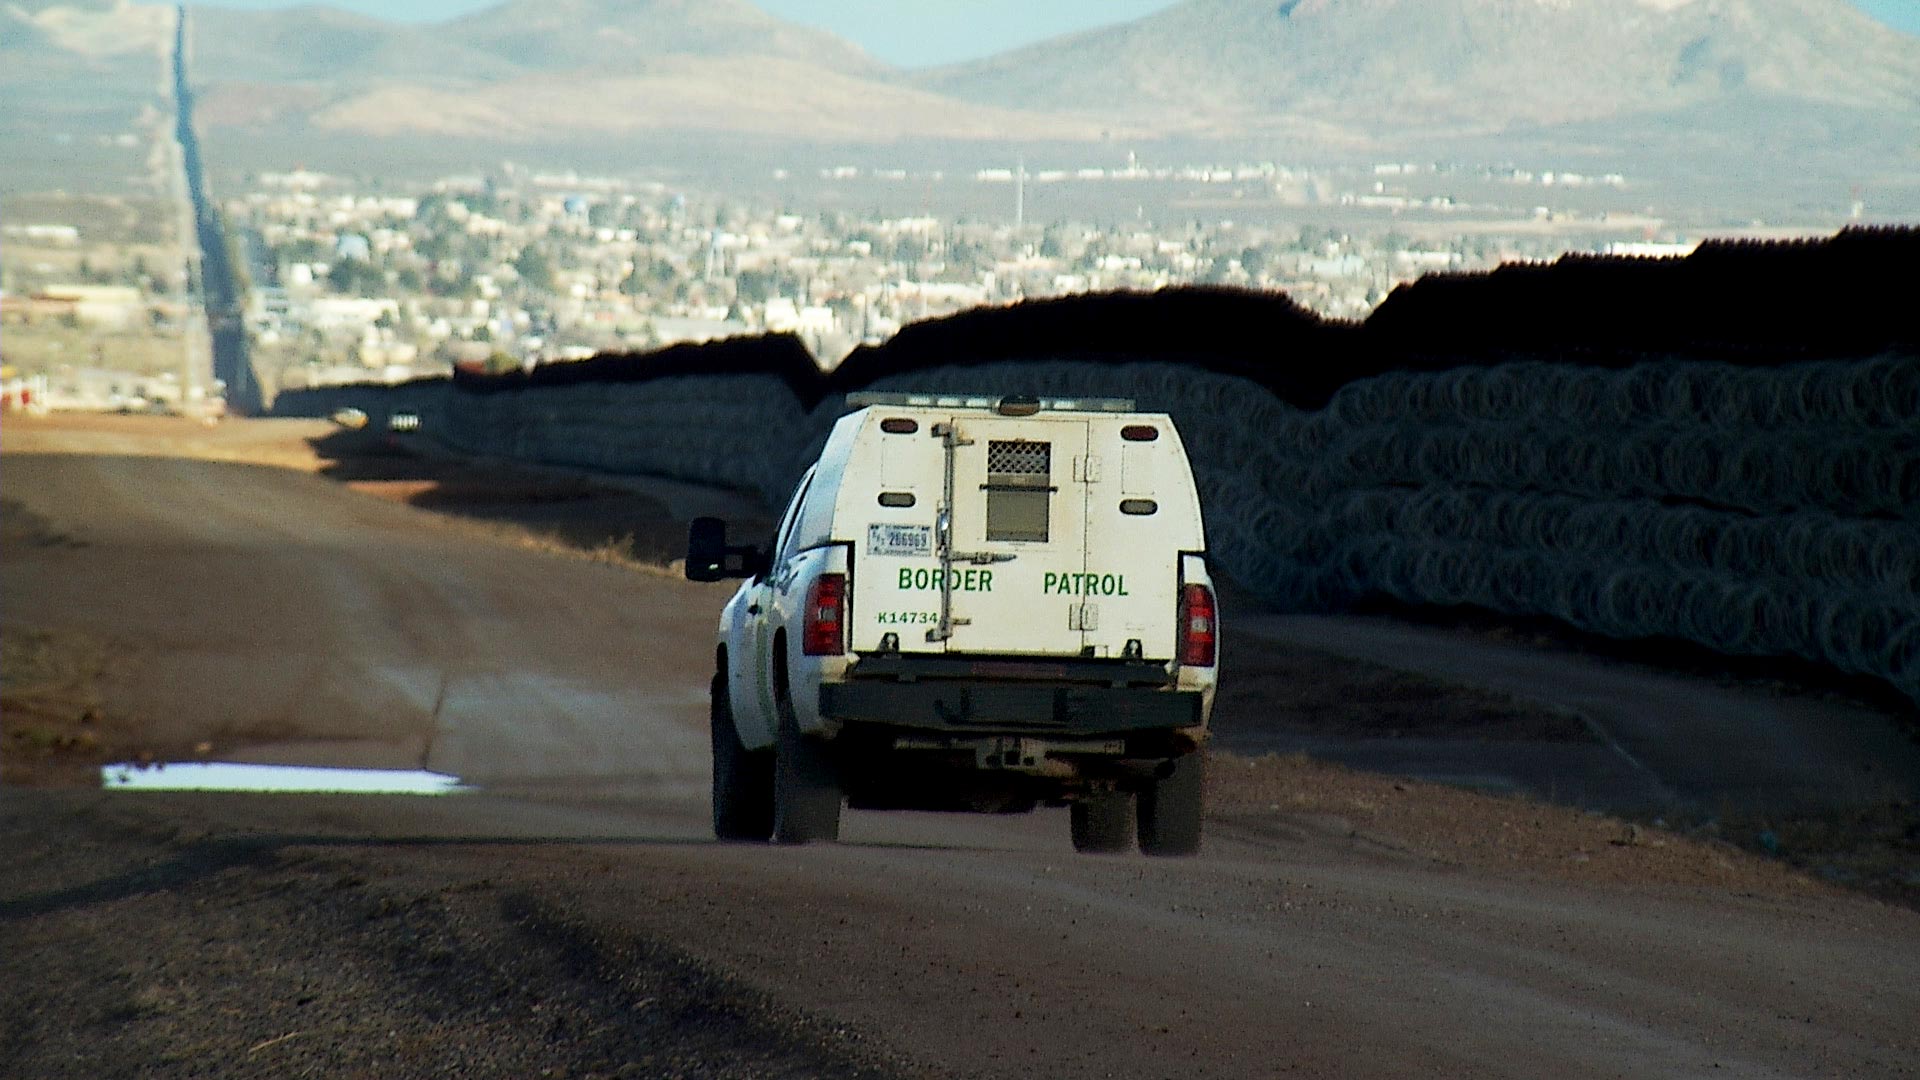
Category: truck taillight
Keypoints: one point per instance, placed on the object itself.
(823, 629)
(1197, 626)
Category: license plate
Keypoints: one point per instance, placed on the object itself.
(914, 541)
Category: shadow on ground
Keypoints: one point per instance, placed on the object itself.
(607, 518)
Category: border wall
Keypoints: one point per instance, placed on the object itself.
(1722, 449)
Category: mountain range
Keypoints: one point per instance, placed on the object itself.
(537, 69)
(1233, 66)
(1338, 71)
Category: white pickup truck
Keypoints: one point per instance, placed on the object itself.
(971, 603)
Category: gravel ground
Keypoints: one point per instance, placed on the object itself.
(1341, 923)
(199, 950)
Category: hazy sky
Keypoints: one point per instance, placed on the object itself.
(915, 33)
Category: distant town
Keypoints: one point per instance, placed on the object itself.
(136, 272)
(521, 266)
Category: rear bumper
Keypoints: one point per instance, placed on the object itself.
(1035, 708)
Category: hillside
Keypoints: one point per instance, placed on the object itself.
(1238, 66)
(580, 69)
(330, 51)
(1809, 80)
(65, 37)
(522, 38)
(744, 95)
(575, 35)
(75, 68)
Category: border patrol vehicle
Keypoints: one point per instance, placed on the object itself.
(971, 603)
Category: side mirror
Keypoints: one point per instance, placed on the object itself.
(710, 559)
(707, 550)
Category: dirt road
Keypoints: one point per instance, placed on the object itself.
(572, 919)
(272, 606)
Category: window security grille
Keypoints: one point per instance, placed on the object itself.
(1018, 474)
(1011, 458)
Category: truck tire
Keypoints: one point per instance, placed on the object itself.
(1102, 824)
(1170, 809)
(742, 778)
(806, 787)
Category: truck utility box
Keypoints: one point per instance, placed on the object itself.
(971, 603)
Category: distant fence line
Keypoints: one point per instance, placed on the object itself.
(1751, 488)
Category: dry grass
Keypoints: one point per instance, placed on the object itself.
(53, 730)
(140, 353)
(42, 663)
(1874, 849)
(613, 551)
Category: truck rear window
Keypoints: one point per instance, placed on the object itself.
(1019, 475)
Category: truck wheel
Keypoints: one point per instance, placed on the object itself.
(1102, 824)
(1170, 809)
(742, 778)
(806, 790)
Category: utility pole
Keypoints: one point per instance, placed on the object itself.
(1020, 192)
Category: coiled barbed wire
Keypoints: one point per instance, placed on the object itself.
(1878, 393)
(1818, 546)
(1854, 631)
(1749, 509)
